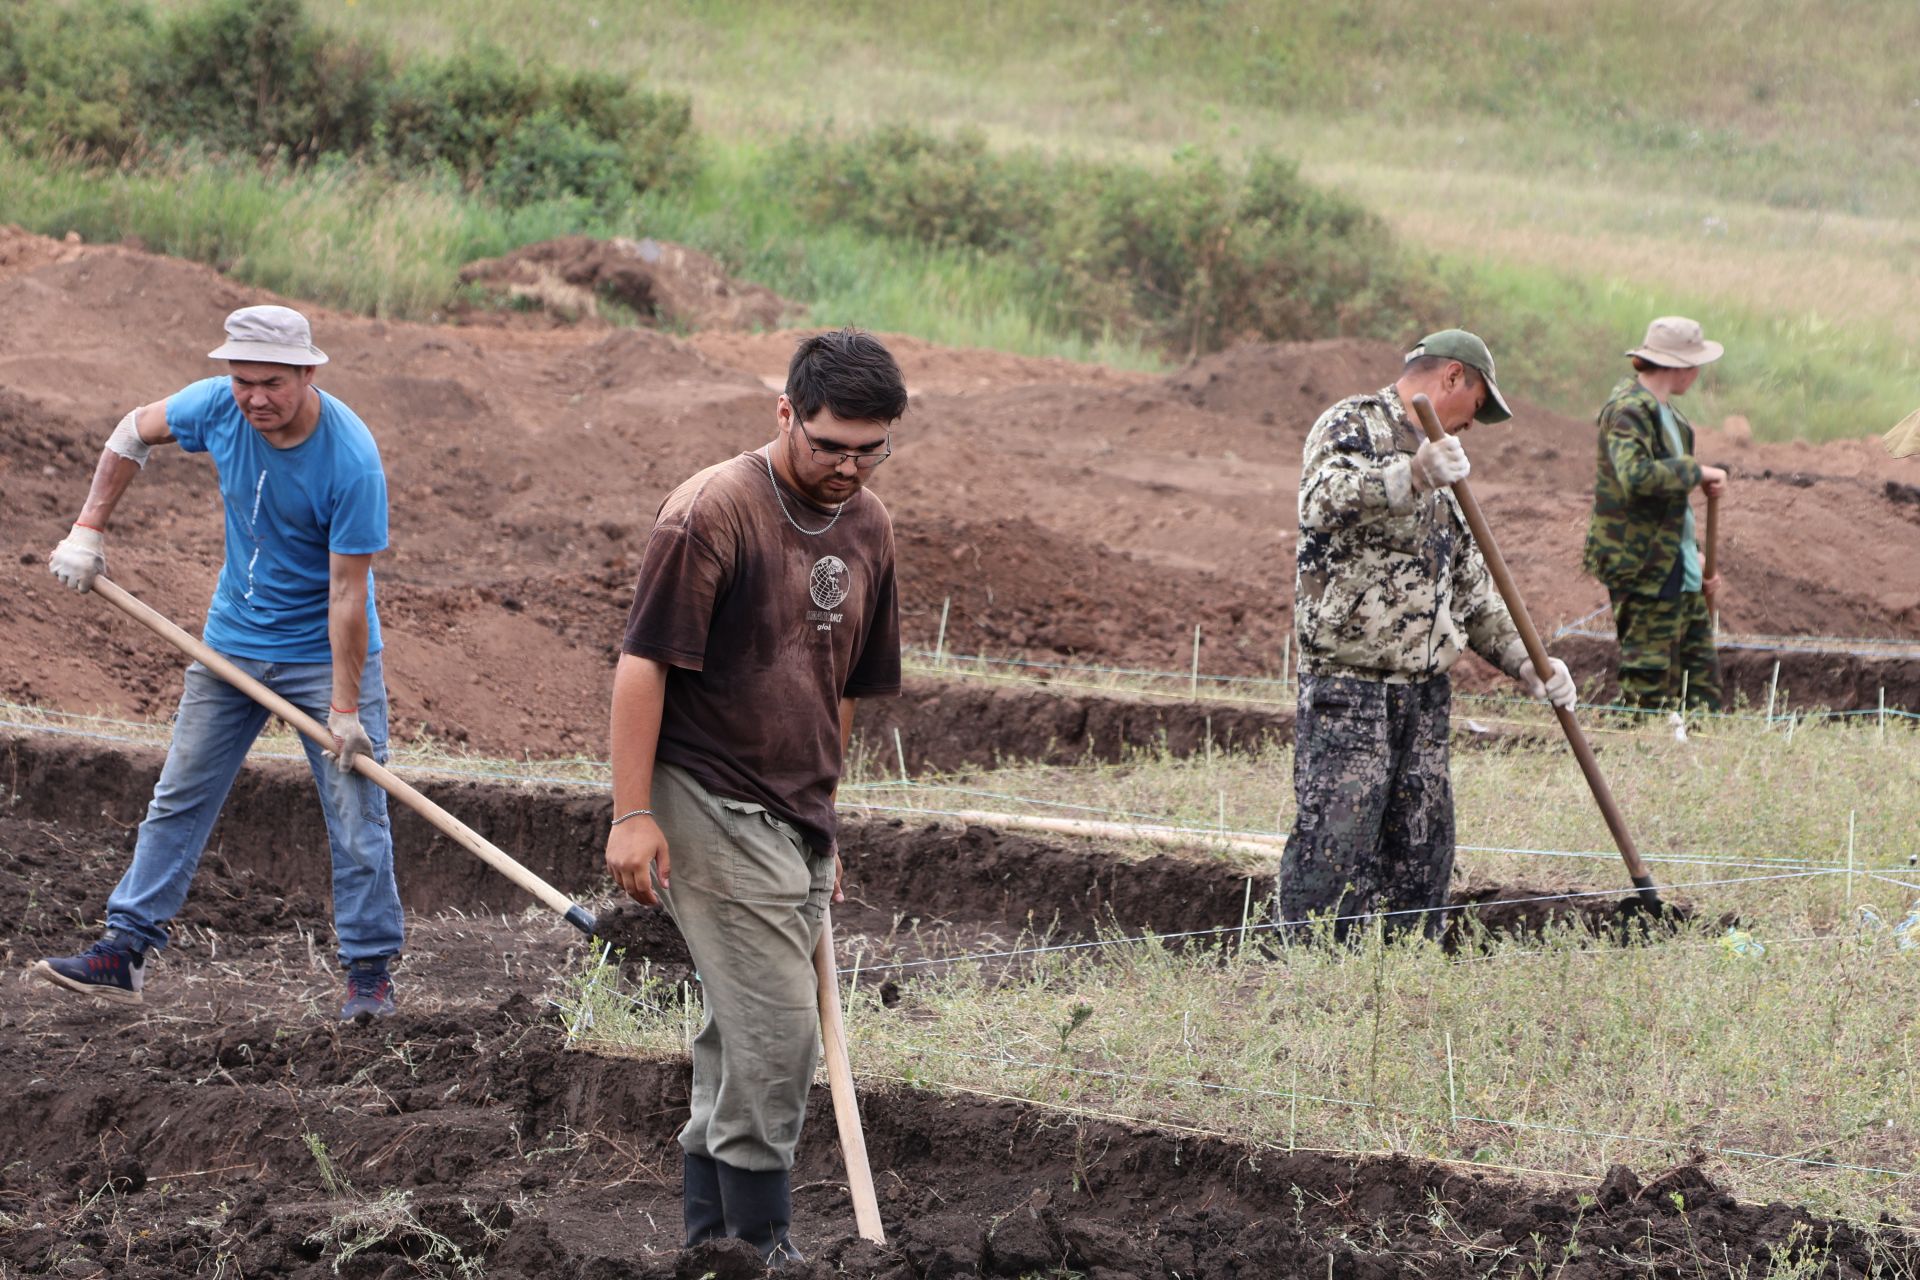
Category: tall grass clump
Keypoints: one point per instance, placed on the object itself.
(1197, 256)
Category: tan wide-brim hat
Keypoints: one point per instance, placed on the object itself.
(268, 335)
(1677, 343)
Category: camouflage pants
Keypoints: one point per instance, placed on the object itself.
(1660, 640)
(1374, 832)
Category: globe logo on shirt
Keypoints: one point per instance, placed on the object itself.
(829, 581)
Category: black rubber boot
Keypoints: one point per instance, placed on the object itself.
(759, 1208)
(700, 1198)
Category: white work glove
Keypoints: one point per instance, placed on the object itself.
(349, 737)
(1439, 463)
(1558, 689)
(79, 559)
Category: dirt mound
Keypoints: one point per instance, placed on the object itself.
(22, 250)
(662, 283)
(1276, 383)
(1065, 511)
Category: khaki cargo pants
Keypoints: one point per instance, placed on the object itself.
(748, 896)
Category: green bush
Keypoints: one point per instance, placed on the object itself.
(581, 134)
(1195, 257)
(550, 157)
(907, 183)
(74, 78)
(258, 78)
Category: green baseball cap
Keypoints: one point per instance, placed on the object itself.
(1458, 344)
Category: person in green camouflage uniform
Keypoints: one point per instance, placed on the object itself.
(1641, 541)
(1391, 589)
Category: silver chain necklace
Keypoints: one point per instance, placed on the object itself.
(781, 499)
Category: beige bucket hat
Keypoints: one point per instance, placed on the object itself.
(269, 335)
(1677, 343)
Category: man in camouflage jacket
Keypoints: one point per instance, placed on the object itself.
(1640, 541)
(1390, 590)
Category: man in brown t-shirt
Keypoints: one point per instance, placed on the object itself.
(765, 606)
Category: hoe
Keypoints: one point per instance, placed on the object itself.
(1537, 652)
(853, 1144)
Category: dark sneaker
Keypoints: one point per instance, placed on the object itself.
(369, 991)
(112, 968)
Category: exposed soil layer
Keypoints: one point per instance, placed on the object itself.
(231, 1128)
(1840, 681)
(949, 725)
(569, 281)
(1054, 510)
(908, 882)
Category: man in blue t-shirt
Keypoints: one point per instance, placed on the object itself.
(306, 511)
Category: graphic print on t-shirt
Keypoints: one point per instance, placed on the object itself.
(828, 583)
(253, 527)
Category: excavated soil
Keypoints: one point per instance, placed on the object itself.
(913, 884)
(1052, 510)
(568, 281)
(1064, 511)
(228, 1126)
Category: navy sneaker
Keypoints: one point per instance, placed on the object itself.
(369, 991)
(113, 969)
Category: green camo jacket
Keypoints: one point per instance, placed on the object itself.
(1639, 493)
(1391, 585)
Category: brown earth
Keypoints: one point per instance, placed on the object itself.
(1065, 510)
(905, 875)
(187, 1139)
(568, 281)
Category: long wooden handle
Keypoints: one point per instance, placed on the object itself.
(1709, 559)
(398, 788)
(846, 1107)
(1537, 654)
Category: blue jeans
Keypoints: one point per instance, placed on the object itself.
(212, 732)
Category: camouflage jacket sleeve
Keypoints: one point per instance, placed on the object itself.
(1351, 472)
(1630, 431)
(1640, 490)
(1477, 605)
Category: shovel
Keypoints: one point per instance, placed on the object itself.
(1709, 556)
(576, 915)
(1537, 654)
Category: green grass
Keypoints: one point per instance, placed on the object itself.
(1562, 1055)
(1579, 170)
(1571, 172)
(1806, 1049)
(1560, 338)
(357, 239)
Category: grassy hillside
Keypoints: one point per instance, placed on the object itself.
(1572, 170)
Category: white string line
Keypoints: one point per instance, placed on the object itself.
(1269, 926)
(909, 784)
(1157, 826)
(1291, 1095)
(1790, 644)
(1751, 861)
(1881, 875)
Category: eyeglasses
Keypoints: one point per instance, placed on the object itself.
(834, 457)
